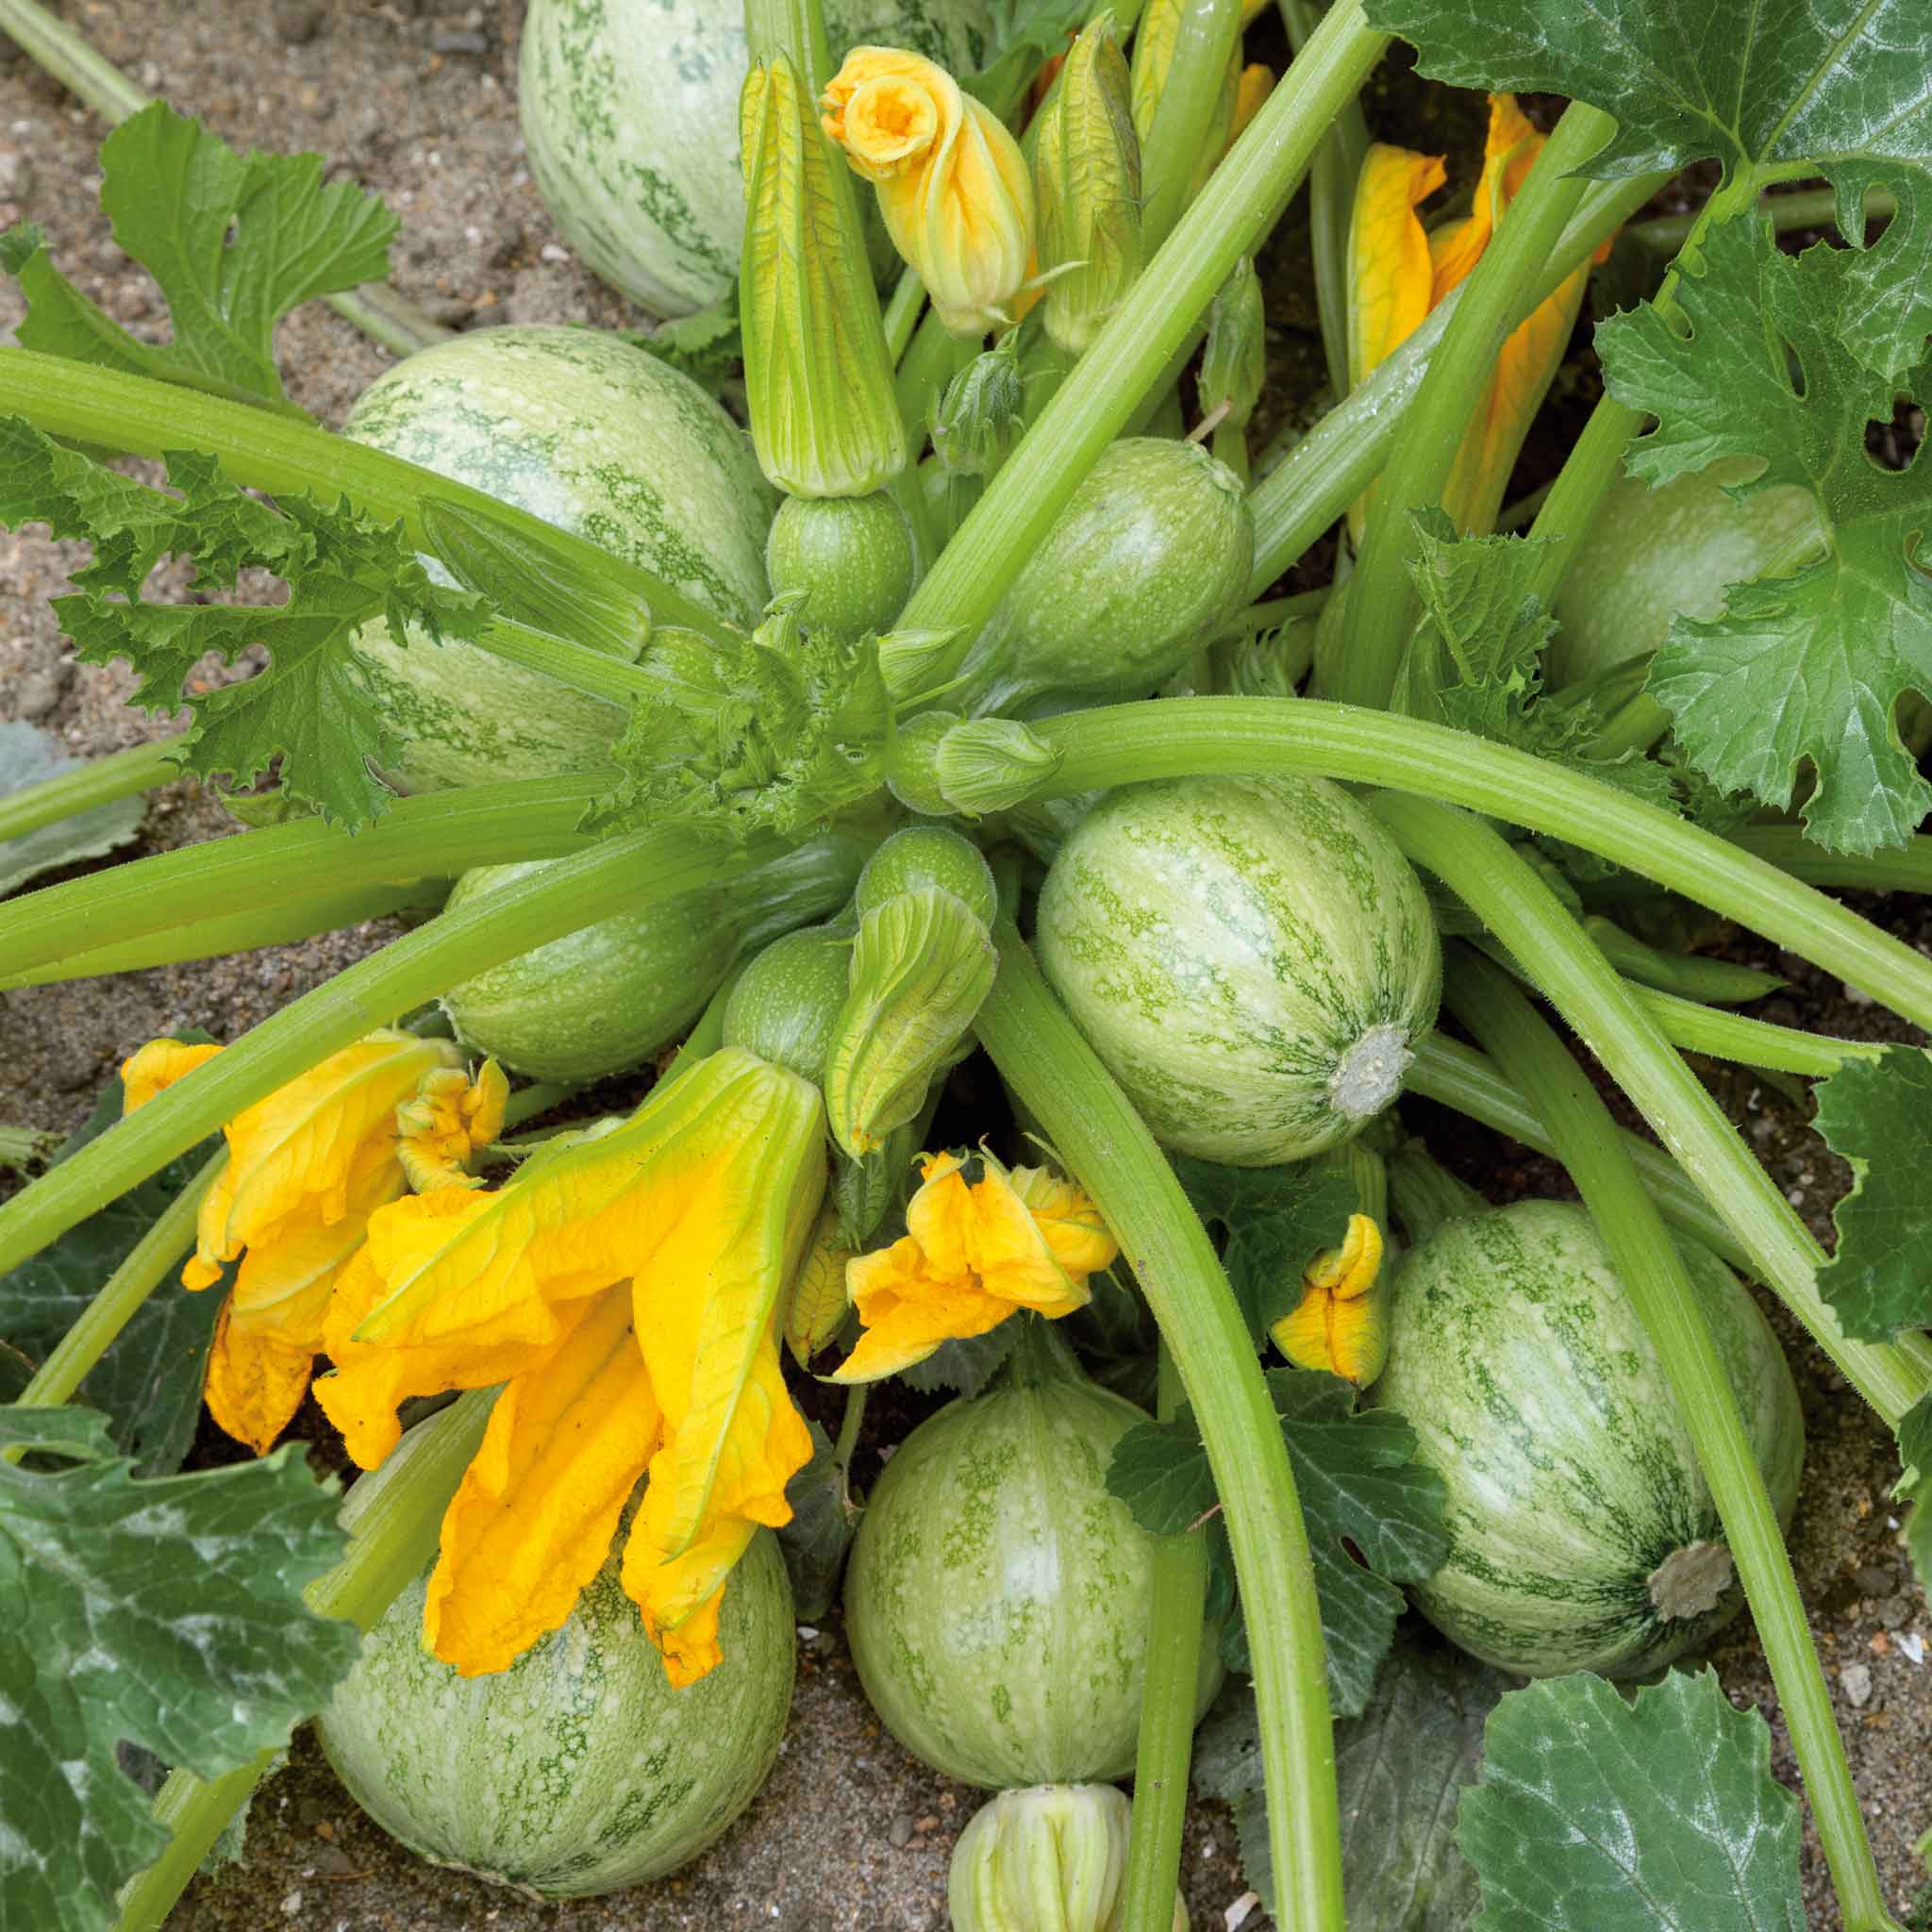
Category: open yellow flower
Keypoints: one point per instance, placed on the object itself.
(952, 183)
(973, 1253)
(628, 1288)
(1342, 1322)
(306, 1168)
(1398, 272)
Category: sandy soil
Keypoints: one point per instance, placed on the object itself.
(417, 98)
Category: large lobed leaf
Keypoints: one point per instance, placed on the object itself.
(1659, 1815)
(1359, 1485)
(308, 705)
(167, 1613)
(1812, 665)
(235, 242)
(1776, 89)
(1877, 1115)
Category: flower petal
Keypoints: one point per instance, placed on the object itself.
(1388, 270)
(254, 1382)
(534, 1517)
(906, 1321)
(157, 1066)
(679, 1601)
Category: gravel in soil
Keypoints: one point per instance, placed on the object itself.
(416, 97)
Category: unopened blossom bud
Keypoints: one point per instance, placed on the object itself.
(953, 185)
(1235, 363)
(982, 413)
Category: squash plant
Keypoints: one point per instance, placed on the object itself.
(1041, 625)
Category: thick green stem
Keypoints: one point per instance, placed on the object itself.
(1659, 1285)
(1907, 868)
(1513, 902)
(152, 1259)
(1717, 982)
(1588, 472)
(902, 313)
(1055, 1075)
(1176, 1596)
(1329, 467)
(278, 868)
(1123, 744)
(100, 781)
(1125, 359)
(1381, 600)
(1196, 74)
(1749, 1042)
(597, 674)
(1810, 208)
(393, 1530)
(260, 450)
(623, 873)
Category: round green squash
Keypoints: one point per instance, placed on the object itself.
(1582, 1537)
(852, 556)
(595, 436)
(996, 1601)
(629, 110)
(1651, 554)
(1150, 557)
(1252, 958)
(579, 1769)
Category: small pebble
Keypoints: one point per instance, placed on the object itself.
(292, 1903)
(1913, 1646)
(901, 1830)
(36, 695)
(1855, 1680)
(1876, 1579)
(1895, 1612)
(458, 40)
(297, 21)
(552, 251)
(1237, 1914)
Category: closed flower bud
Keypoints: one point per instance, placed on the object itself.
(952, 183)
(990, 764)
(1049, 1858)
(977, 422)
(1086, 175)
(1235, 363)
(816, 1307)
(825, 420)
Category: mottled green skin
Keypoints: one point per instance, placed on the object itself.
(629, 112)
(1650, 553)
(996, 1601)
(851, 555)
(1149, 557)
(1518, 1360)
(1225, 942)
(591, 435)
(787, 1002)
(579, 1769)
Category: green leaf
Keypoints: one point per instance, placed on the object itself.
(1778, 90)
(28, 757)
(1399, 1767)
(775, 732)
(148, 1381)
(235, 241)
(1914, 1486)
(1358, 1480)
(825, 1519)
(1273, 1221)
(1659, 1815)
(308, 705)
(1812, 665)
(1025, 35)
(166, 1612)
(705, 346)
(1877, 1115)
(964, 1365)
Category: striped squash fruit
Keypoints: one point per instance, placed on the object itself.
(1252, 959)
(579, 1769)
(996, 1601)
(629, 112)
(1582, 1536)
(600, 439)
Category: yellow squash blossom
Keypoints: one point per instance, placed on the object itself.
(306, 1168)
(1342, 1322)
(1398, 272)
(953, 185)
(628, 1288)
(973, 1253)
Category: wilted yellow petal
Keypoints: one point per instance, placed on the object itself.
(1079, 1238)
(1008, 1250)
(1388, 270)
(533, 1518)
(254, 1382)
(1341, 1323)
(908, 1311)
(450, 1118)
(1350, 1271)
(682, 1622)
(159, 1065)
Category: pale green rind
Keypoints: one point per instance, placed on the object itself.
(1517, 1357)
(1143, 565)
(1225, 943)
(996, 1601)
(629, 110)
(591, 435)
(1650, 553)
(579, 1769)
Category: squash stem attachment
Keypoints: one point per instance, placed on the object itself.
(1055, 1075)
(1484, 998)
(390, 1542)
(1505, 891)
(1178, 1596)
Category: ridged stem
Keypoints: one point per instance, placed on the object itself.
(1190, 93)
(1659, 1285)
(1055, 1075)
